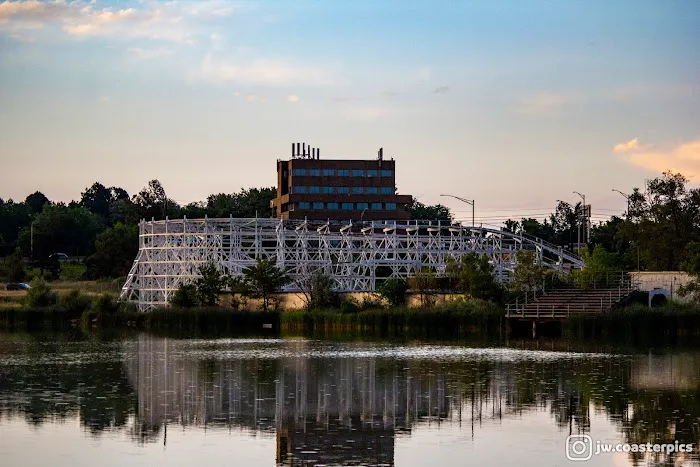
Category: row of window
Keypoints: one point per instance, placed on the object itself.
(344, 190)
(347, 206)
(341, 172)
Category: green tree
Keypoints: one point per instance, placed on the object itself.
(97, 199)
(40, 294)
(263, 279)
(210, 284)
(13, 267)
(424, 284)
(14, 217)
(528, 273)
(247, 203)
(394, 290)
(152, 202)
(598, 266)
(115, 251)
(472, 275)
(36, 201)
(438, 212)
(186, 296)
(62, 229)
(322, 294)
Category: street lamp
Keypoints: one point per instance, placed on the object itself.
(468, 201)
(627, 197)
(579, 225)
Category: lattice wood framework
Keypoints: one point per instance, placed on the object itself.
(355, 255)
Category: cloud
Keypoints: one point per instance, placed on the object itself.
(256, 98)
(293, 99)
(683, 158)
(629, 146)
(148, 54)
(262, 71)
(82, 18)
(344, 99)
(543, 104)
(441, 90)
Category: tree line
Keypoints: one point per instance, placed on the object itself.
(101, 228)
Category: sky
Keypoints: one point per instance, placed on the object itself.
(514, 104)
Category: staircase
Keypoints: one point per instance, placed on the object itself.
(561, 303)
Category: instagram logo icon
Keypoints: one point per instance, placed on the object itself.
(579, 447)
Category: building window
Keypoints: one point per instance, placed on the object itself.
(299, 172)
(358, 173)
(328, 172)
(328, 190)
(386, 173)
(391, 206)
(343, 173)
(314, 189)
(299, 189)
(362, 206)
(304, 205)
(347, 206)
(357, 190)
(332, 206)
(371, 190)
(318, 205)
(343, 190)
(315, 172)
(373, 173)
(377, 206)
(387, 190)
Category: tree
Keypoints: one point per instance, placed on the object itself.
(263, 279)
(62, 229)
(598, 264)
(473, 275)
(13, 268)
(393, 290)
(247, 203)
(185, 296)
(36, 201)
(424, 283)
(438, 212)
(565, 222)
(317, 291)
(152, 202)
(210, 284)
(528, 274)
(115, 251)
(40, 295)
(13, 218)
(97, 199)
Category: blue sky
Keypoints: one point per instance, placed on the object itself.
(515, 104)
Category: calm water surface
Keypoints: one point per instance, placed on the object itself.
(149, 401)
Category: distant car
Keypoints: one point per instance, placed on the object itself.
(17, 286)
(59, 256)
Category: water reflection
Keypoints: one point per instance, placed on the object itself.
(350, 404)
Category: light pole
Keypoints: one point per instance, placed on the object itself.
(468, 201)
(626, 197)
(579, 224)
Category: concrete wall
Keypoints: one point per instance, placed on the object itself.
(669, 280)
(295, 301)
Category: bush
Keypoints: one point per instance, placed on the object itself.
(185, 296)
(74, 303)
(71, 271)
(12, 268)
(40, 295)
(349, 305)
(394, 291)
(105, 305)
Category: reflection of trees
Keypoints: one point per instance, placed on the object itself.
(54, 385)
(350, 407)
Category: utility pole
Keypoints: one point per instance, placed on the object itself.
(468, 201)
(580, 215)
(626, 197)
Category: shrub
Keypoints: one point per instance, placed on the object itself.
(185, 296)
(394, 291)
(74, 303)
(105, 305)
(349, 305)
(40, 295)
(71, 271)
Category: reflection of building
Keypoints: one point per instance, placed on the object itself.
(324, 410)
(677, 372)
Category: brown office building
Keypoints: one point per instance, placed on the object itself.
(314, 188)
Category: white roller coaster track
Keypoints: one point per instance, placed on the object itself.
(355, 255)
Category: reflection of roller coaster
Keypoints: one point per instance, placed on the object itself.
(355, 255)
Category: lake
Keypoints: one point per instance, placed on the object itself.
(144, 401)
